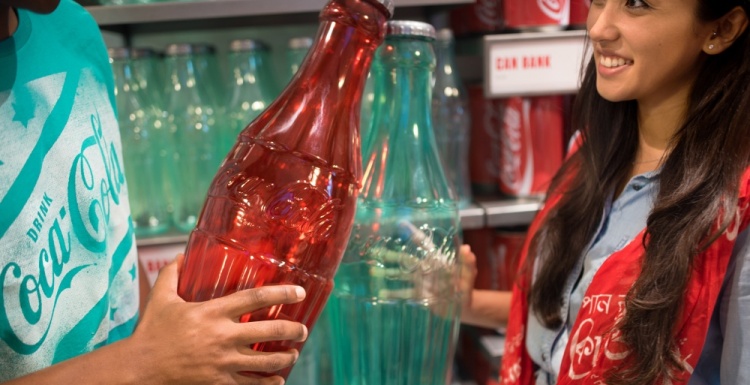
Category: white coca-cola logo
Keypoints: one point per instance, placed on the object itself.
(486, 11)
(511, 151)
(554, 9)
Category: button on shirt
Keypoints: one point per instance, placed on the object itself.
(721, 361)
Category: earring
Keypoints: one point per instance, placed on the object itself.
(713, 36)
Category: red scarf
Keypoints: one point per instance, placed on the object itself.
(593, 348)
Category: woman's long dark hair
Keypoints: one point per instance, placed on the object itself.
(698, 182)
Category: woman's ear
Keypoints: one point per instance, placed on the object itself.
(727, 29)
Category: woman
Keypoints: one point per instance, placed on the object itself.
(637, 271)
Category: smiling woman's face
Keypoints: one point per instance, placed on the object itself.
(649, 51)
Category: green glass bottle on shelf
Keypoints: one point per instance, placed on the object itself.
(450, 113)
(193, 121)
(149, 73)
(207, 67)
(146, 146)
(395, 307)
(297, 49)
(252, 87)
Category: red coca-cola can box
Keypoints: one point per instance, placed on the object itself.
(508, 245)
(579, 12)
(484, 157)
(480, 17)
(481, 242)
(531, 144)
(536, 15)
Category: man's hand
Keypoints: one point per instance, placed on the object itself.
(204, 342)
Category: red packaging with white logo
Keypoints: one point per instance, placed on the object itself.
(531, 144)
(508, 245)
(484, 157)
(481, 242)
(479, 17)
(536, 15)
(579, 12)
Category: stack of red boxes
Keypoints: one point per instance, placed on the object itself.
(516, 143)
(579, 10)
(497, 251)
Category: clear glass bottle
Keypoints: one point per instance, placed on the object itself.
(192, 117)
(281, 207)
(149, 73)
(209, 72)
(297, 49)
(146, 146)
(396, 304)
(450, 116)
(252, 89)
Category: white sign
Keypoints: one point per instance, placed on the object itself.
(529, 64)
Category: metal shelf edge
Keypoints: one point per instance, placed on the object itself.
(107, 15)
(472, 217)
(511, 212)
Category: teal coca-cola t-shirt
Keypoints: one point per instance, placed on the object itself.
(68, 265)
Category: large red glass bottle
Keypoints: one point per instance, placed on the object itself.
(280, 209)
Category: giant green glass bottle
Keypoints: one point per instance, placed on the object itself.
(395, 307)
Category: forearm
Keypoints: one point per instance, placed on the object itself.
(489, 309)
(115, 364)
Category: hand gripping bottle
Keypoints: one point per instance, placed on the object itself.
(281, 207)
(398, 279)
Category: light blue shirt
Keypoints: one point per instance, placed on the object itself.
(721, 362)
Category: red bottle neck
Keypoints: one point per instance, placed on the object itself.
(317, 115)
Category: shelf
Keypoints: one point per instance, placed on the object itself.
(109, 15)
(472, 217)
(490, 213)
(510, 212)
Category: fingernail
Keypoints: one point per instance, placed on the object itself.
(300, 292)
(307, 332)
(296, 355)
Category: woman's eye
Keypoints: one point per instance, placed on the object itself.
(636, 4)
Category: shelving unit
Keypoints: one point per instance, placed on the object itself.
(107, 15)
(208, 14)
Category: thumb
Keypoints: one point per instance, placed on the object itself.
(169, 276)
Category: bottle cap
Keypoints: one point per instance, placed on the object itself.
(178, 49)
(444, 34)
(300, 43)
(203, 49)
(142, 53)
(388, 4)
(189, 49)
(243, 45)
(119, 53)
(410, 28)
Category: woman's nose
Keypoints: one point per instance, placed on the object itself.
(601, 22)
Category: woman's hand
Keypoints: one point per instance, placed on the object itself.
(204, 342)
(468, 274)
